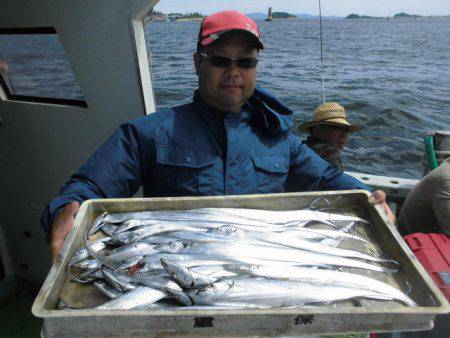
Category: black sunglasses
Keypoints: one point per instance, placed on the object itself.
(223, 62)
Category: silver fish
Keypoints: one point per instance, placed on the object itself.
(98, 222)
(159, 239)
(185, 278)
(333, 234)
(130, 262)
(252, 292)
(156, 281)
(109, 229)
(120, 282)
(224, 230)
(153, 263)
(256, 217)
(83, 254)
(87, 276)
(257, 255)
(88, 264)
(330, 278)
(346, 230)
(107, 291)
(127, 251)
(141, 296)
(179, 296)
(133, 223)
(283, 216)
(317, 247)
(133, 236)
(172, 247)
(98, 256)
(216, 272)
(207, 236)
(208, 224)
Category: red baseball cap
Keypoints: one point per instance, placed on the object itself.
(217, 24)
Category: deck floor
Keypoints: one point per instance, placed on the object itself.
(16, 298)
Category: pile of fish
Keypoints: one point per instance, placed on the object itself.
(229, 258)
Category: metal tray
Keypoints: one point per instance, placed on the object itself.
(346, 317)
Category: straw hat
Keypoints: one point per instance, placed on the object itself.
(331, 114)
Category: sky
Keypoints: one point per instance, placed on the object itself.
(329, 7)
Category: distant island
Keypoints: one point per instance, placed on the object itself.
(283, 15)
(357, 16)
(303, 16)
(404, 15)
(396, 16)
(155, 16)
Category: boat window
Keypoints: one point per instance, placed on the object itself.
(34, 67)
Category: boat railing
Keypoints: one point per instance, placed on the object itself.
(395, 188)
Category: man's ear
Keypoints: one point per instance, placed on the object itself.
(197, 60)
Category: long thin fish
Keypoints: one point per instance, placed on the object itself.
(325, 233)
(83, 254)
(99, 257)
(330, 278)
(98, 222)
(141, 296)
(130, 250)
(260, 256)
(133, 236)
(88, 264)
(274, 294)
(324, 249)
(283, 216)
(248, 253)
(120, 282)
(185, 278)
(237, 215)
(107, 291)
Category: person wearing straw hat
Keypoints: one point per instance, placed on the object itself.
(328, 131)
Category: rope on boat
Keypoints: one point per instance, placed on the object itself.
(321, 53)
(442, 152)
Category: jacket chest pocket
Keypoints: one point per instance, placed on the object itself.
(182, 172)
(271, 173)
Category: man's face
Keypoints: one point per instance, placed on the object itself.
(333, 135)
(227, 88)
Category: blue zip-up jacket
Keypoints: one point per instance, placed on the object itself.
(190, 150)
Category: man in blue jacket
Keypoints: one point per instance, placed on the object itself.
(232, 139)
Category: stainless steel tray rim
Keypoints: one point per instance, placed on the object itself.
(217, 312)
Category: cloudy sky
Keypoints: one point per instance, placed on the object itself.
(329, 7)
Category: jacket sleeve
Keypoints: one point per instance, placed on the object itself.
(114, 170)
(309, 172)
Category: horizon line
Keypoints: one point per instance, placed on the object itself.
(328, 15)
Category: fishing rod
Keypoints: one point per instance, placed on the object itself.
(321, 53)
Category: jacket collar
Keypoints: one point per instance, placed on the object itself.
(265, 110)
(212, 115)
(269, 112)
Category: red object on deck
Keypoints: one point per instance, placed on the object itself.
(433, 252)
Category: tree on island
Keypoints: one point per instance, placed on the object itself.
(195, 15)
(405, 15)
(283, 15)
(352, 16)
(357, 16)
